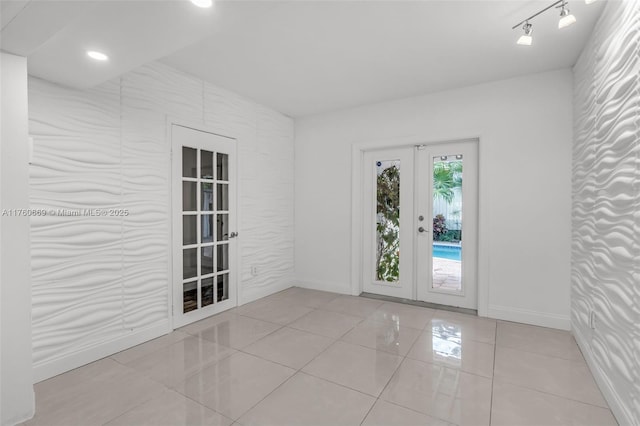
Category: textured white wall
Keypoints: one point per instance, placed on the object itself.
(100, 283)
(525, 131)
(606, 206)
(16, 388)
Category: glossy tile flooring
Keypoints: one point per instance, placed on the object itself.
(304, 357)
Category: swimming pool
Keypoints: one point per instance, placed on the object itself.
(447, 252)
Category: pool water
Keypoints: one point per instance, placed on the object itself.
(447, 252)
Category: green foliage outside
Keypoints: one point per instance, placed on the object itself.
(447, 176)
(388, 225)
(439, 227)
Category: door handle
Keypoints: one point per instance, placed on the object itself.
(233, 235)
(421, 229)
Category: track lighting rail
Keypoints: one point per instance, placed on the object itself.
(536, 14)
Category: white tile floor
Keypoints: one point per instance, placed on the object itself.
(304, 357)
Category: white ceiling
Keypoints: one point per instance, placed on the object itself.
(299, 57)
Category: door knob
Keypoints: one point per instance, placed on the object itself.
(233, 235)
(421, 229)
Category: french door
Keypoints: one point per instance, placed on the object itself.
(204, 223)
(420, 223)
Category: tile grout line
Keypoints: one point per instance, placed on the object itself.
(300, 370)
(385, 386)
(295, 371)
(493, 374)
(290, 377)
(163, 388)
(339, 339)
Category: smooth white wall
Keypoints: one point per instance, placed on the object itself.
(525, 130)
(100, 283)
(16, 390)
(606, 207)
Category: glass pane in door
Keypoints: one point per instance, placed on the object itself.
(387, 262)
(222, 167)
(447, 223)
(189, 263)
(206, 164)
(206, 261)
(189, 159)
(190, 296)
(223, 287)
(223, 227)
(189, 230)
(189, 202)
(207, 292)
(205, 228)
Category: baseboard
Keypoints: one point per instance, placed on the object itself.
(333, 287)
(252, 294)
(620, 412)
(50, 368)
(525, 316)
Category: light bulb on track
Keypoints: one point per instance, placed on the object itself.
(526, 39)
(566, 18)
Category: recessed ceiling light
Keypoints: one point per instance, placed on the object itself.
(202, 3)
(98, 56)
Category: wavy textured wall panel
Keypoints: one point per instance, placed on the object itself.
(606, 206)
(99, 280)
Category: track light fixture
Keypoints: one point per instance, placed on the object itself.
(566, 19)
(526, 38)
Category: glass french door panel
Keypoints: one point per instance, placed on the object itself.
(207, 291)
(189, 162)
(223, 257)
(203, 216)
(189, 230)
(206, 228)
(222, 287)
(223, 197)
(387, 261)
(190, 296)
(206, 260)
(206, 164)
(222, 233)
(388, 197)
(447, 223)
(189, 263)
(206, 196)
(222, 167)
(205, 193)
(189, 196)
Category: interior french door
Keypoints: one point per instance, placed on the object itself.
(204, 223)
(420, 223)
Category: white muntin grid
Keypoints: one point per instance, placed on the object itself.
(215, 208)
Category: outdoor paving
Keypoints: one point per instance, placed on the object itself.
(447, 274)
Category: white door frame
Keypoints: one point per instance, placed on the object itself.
(357, 201)
(199, 126)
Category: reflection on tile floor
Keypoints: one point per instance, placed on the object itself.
(305, 357)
